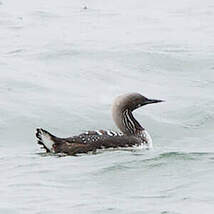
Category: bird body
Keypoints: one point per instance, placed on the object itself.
(132, 133)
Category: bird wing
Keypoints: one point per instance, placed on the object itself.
(85, 142)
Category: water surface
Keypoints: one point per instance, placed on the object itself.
(62, 65)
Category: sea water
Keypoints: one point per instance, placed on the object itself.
(61, 65)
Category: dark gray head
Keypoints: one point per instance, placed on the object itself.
(133, 101)
(122, 111)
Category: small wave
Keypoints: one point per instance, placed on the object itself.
(57, 54)
(150, 196)
(117, 167)
(179, 156)
(50, 154)
(15, 52)
(45, 14)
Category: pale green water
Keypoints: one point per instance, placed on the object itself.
(60, 68)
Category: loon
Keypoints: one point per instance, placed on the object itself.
(132, 133)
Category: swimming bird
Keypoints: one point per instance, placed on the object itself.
(132, 133)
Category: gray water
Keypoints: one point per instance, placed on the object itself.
(62, 65)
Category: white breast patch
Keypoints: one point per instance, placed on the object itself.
(148, 138)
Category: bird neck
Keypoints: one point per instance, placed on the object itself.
(126, 122)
